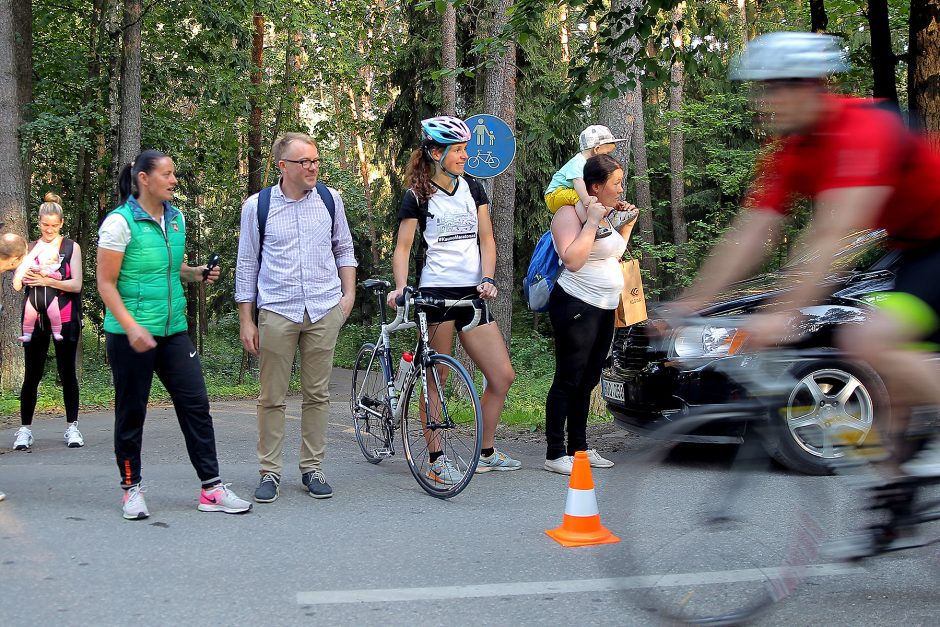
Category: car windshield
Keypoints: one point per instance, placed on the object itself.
(857, 251)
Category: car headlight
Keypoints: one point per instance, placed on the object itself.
(707, 341)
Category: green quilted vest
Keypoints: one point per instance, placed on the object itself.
(149, 282)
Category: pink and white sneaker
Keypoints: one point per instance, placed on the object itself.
(219, 498)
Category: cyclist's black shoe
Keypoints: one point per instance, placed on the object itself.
(317, 485)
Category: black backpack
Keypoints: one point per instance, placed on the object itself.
(264, 205)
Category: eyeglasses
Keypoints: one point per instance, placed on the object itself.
(306, 164)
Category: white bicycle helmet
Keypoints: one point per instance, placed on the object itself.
(445, 130)
(784, 55)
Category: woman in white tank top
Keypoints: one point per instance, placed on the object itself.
(581, 309)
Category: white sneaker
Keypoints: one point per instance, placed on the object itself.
(926, 463)
(562, 465)
(597, 461)
(73, 437)
(2, 496)
(219, 498)
(22, 439)
(135, 508)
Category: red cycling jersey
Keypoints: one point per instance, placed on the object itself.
(857, 145)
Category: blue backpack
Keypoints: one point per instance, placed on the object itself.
(542, 273)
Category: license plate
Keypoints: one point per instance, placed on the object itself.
(612, 390)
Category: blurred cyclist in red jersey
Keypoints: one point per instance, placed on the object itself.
(861, 168)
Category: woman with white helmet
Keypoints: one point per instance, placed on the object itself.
(459, 261)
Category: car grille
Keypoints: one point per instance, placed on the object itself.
(631, 350)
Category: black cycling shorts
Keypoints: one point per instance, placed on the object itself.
(462, 316)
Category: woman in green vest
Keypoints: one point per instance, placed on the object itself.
(141, 245)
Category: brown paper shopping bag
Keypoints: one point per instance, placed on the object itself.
(632, 307)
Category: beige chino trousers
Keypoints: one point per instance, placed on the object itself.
(279, 339)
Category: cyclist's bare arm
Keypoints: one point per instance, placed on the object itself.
(739, 252)
(487, 248)
(401, 257)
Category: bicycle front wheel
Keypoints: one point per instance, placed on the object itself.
(717, 534)
(443, 417)
(369, 406)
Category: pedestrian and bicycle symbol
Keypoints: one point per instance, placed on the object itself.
(492, 146)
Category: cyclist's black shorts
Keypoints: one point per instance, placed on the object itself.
(462, 316)
(917, 273)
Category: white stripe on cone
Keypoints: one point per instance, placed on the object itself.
(581, 503)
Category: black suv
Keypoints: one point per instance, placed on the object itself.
(644, 384)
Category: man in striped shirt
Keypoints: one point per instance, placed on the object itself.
(303, 284)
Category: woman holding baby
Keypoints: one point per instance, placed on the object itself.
(51, 274)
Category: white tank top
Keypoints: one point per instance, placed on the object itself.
(600, 280)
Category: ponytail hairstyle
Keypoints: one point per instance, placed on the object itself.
(144, 162)
(419, 172)
(598, 169)
(51, 206)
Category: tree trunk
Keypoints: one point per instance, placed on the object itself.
(254, 118)
(677, 143)
(817, 15)
(617, 113)
(499, 98)
(644, 199)
(13, 183)
(563, 33)
(923, 79)
(340, 131)
(130, 83)
(366, 183)
(449, 54)
(883, 60)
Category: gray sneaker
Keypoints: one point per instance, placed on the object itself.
(316, 484)
(443, 471)
(135, 508)
(269, 488)
(498, 461)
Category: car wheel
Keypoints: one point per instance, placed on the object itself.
(832, 403)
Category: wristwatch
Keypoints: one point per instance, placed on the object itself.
(488, 279)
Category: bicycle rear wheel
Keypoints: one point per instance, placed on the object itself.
(456, 431)
(715, 536)
(368, 405)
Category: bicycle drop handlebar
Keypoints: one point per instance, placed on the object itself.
(411, 296)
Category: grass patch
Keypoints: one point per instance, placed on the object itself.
(532, 354)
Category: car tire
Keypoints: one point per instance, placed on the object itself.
(792, 442)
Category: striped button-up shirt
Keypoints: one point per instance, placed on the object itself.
(300, 260)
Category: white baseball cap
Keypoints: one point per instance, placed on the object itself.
(597, 135)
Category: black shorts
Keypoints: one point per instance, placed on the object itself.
(916, 275)
(462, 316)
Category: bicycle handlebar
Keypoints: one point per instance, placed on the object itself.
(404, 301)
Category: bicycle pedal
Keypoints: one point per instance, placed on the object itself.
(382, 452)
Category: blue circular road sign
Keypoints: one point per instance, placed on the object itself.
(491, 148)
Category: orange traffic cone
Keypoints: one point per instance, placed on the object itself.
(582, 524)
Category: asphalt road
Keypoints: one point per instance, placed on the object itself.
(379, 552)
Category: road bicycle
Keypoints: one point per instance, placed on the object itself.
(717, 537)
(434, 401)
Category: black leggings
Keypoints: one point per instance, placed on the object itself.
(582, 340)
(177, 365)
(36, 350)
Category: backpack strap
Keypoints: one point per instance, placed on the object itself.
(264, 205)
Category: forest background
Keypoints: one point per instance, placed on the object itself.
(84, 84)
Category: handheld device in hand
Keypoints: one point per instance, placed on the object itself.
(213, 262)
